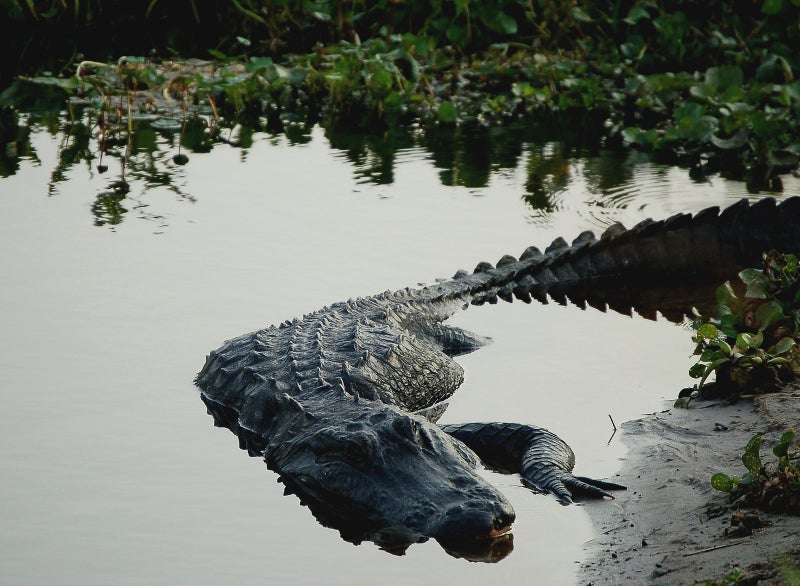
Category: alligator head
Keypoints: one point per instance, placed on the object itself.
(379, 474)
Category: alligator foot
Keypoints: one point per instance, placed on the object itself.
(565, 487)
(543, 460)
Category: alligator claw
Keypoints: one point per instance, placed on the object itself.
(565, 487)
(583, 486)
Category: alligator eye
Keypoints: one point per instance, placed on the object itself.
(405, 427)
(418, 433)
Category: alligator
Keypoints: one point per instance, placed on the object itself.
(343, 403)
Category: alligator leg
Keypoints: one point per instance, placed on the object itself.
(543, 459)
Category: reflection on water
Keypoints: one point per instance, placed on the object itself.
(112, 473)
(550, 161)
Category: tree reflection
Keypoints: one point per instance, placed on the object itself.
(374, 155)
(15, 142)
(151, 150)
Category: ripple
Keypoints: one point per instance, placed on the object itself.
(626, 187)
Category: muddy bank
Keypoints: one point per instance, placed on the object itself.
(669, 527)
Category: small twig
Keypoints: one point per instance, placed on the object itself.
(624, 525)
(708, 549)
(613, 433)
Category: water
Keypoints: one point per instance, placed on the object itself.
(112, 471)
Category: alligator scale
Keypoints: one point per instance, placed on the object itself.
(343, 403)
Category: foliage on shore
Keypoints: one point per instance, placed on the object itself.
(768, 486)
(751, 343)
(710, 86)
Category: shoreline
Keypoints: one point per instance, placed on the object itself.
(669, 526)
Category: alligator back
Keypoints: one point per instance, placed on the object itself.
(395, 349)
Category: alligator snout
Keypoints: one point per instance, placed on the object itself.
(475, 521)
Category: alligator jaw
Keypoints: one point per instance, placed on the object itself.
(502, 530)
(478, 521)
(489, 544)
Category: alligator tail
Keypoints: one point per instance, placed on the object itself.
(623, 266)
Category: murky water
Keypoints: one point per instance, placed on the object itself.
(112, 470)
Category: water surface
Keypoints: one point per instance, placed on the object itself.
(113, 472)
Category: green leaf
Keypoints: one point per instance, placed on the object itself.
(703, 91)
(734, 142)
(753, 341)
(724, 77)
(784, 345)
(636, 13)
(258, 64)
(725, 293)
(772, 6)
(751, 458)
(710, 369)
(769, 313)
(457, 34)
(447, 113)
(721, 481)
(506, 24)
(393, 101)
(707, 332)
(634, 48)
(730, 324)
(712, 353)
(697, 370)
(579, 15)
(756, 282)
(782, 449)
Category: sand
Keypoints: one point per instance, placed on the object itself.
(669, 527)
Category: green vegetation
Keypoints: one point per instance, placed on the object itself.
(710, 86)
(782, 568)
(751, 343)
(788, 570)
(770, 487)
(730, 579)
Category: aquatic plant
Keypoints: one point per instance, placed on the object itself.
(770, 487)
(751, 343)
(714, 88)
